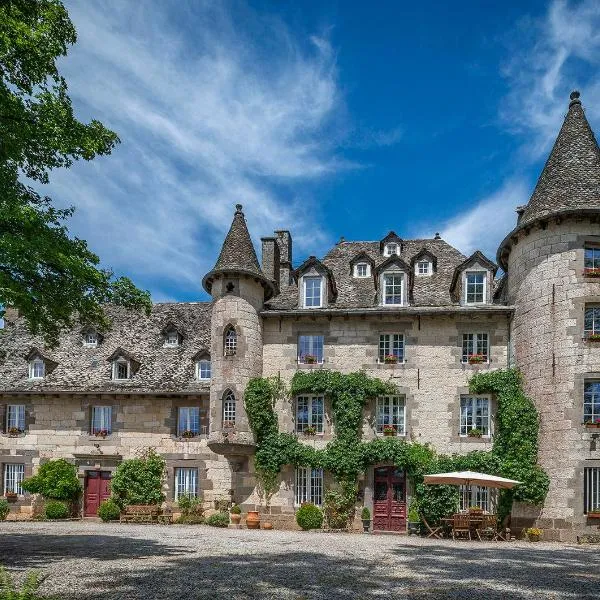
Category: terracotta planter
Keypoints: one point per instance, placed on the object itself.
(592, 425)
(253, 520)
(235, 518)
(11, 498)
(389, 433)
(267, 525)
(594, 514)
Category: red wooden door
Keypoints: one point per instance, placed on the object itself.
(389, 499)
(97, 489)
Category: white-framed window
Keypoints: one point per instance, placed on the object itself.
(362, 269)
(37, 368)
(13, 477)
(230, 345)
(423, 267)
(186, 482)
(475, 284)
(591, 402)
(475, 347)
(90, 339)
(591, 257)
(310, 349)
(313, 292)
(121, 370)
(474, 414)
(101, 420)
(392, 288)
(591, 489)
(171, 338)
(391, 249)
(391, 413)
(203, 369)
(309, 413)
(188, 421)
(15, 417)
(229, 409)
(309, 486)
(476, 496)
(391, 347)
(591, 322)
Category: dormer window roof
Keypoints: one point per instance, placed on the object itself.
(124, 366)
(473, 278)
(391, 245)
(39, 365)
(316, 283)
(424, 263)
(172, 336)
(361, 266)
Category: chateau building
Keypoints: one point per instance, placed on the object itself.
(416, 312)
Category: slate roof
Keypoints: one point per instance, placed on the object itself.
(78, 368)
(353, 292)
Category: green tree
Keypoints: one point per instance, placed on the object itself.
(50, 277)
(139, 480)
(55, 480)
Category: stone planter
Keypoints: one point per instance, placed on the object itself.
(366, 525)
(414, 527)
(253, 520)
(235, 518)
(267, 526)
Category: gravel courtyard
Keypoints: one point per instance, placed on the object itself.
(111, 561)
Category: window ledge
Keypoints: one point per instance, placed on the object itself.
(475, 440)
(390, 364)
(397, 435)
(100, 438)
(14, 435)
(196, 438)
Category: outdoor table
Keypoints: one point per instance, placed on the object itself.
(474, 521)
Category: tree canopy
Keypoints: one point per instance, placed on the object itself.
(50, 277)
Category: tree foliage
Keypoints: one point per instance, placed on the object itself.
(139, 480)
(55, 480)
(50, 277)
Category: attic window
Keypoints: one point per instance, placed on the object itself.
(37, 368)
(391, 249)
(475, 287)
(171, 338)
(121, 369)
(423, 267)
(313, 292)
(90, 339)
(362, 269)
(203, 369)
(392, 288)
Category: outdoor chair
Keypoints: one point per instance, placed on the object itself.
(461, 525)
(488, 528)
(433, 532)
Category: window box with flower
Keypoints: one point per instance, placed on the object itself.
(309, 359)
(592, 337)
(475, 432)
(390, 359)
(102, 433)
(14, 432)
(591, 272)
(593, 423)
(188, 434)
(477, 359)
(389, 430)
(594, 514)
(310, 430)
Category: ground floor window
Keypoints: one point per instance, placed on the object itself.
(309, 486)
(591, 489)
(13, 477)
(186, 483)
(390, 414)
(476, 496)
(474, 415)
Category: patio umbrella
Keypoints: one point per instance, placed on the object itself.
(470, 478)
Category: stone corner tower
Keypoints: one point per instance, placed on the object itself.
(544, 257)
(239, 289)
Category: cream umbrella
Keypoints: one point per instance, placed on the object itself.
(470, 478)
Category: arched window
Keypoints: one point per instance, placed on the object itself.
(230, 341)
(228, 409)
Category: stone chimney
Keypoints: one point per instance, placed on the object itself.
(270, 258)
(284, 241)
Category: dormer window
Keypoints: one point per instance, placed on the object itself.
(37, 368)
(230, 344)
(475, 287)
(313, 292)
(203, 370)
(171, 338)
(392, 288)
(391, 249)
(362, 270)
(121, 369)
(423, 267)
(90, 339)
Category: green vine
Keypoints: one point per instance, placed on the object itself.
(514, 453)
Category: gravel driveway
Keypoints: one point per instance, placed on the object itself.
(110, 561)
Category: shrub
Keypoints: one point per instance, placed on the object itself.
(4, 509)
(55, 480)
(190, 506)
(309, 516)
(109, 510)
(219, 519)
(139, 480)
(236, 510)
(56, 510)
(189, 520)
(10, 591)
(365, 515)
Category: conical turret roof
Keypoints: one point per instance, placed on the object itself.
(238, 256)
(571, 176)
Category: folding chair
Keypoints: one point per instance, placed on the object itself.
(434, 532)
(488, 528)
(461, 526)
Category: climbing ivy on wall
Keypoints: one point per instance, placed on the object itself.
(514, 453)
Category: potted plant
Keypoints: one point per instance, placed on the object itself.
(592, 423)
(101, 433)
(309, 430)
(389, 430)
(14, 431)
(414, 521)
(475, 510)
(534, 534)
(591, 272)
(475, 432)
(365, 516)
(11, 496)
(188, 433)
(476, 359)
(310, 359)
(390, 359)
(228, 424)
(593, 337)
(235, 514)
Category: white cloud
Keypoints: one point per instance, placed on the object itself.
(208, 117)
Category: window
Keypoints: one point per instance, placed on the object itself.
(474, 414)
(591, 323)
(591, 489)
(188, 421)
(362, 270)
(423, 268)
(309, 486)
(101, 420)
(312, 292)
(475, 348)
(230, 342)
(390, 413)
(392, 288)
(390, 249)
(310, 349)
(475, 287)
(121, 369)
(186, 483)
(15, 418)
(171, 338)
(591, 258)
(391, 348)
(13, 477)
(475, 495)
(90, 339)
(309, 413)
(229, 409)
(37, 369)
(203, 369)
(591, 402)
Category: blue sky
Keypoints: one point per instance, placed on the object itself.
(326, 118)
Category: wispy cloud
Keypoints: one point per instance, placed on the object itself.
(212, 109)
